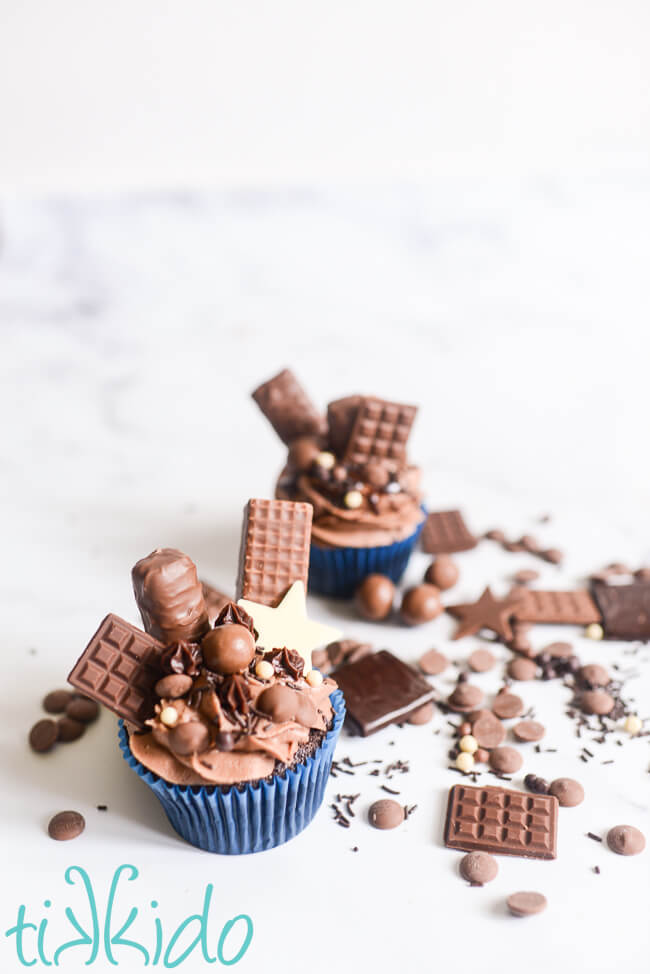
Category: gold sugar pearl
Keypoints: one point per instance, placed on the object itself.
(594, 631)
(353, 499)
(314, 678)
(633, 724)
(465, 761)
(169, 716)
(264, 669)
(468, 744)
(325, 459)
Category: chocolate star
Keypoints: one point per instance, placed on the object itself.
(487, 613)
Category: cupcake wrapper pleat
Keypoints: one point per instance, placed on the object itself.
(260, 815)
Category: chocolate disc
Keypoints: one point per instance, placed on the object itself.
(433, 662)
(567, 791)
(529, 731)
(594, 675)
(597, 702)
(481, 660)
(626, 840)
(478, 868)
(374, 597)
(385, 814)
(505, 760)
(228, 648)
(488, 730)
(465, 697)
(421, 604)
(507, 705)
(526, 904)
(522, 669)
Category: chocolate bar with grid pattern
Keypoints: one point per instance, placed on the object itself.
(625, 610)
(288, 408)
(503, 822)
(274, 549)
(445, 532)
(119, 669)
(380, 432)
(575, 607)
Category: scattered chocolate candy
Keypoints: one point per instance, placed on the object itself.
(442, 572)
(507, 705)
(465, 697)
(433, 662)
(83, 709)
(173, 686)
(465, 728)
(66, 825)
(70, 729)
(526, 904)
(626, 840)
(488, 730)
(420, 604)
(43, 735)
(385, 814)
(478, 868)
(594, 675)
(525, 576)
(481, 660)
(522, 669)
(505, 760)
(529, 731)
(374, 597)
(228, 649)
(597, 702)
(567, 791)
(56, 701)
(481, 756)
(422, 715)
(539, 786)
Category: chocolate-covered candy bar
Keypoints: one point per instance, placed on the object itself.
(570, 608)
(274, 549)
(445, 532)
(380, 689)
(119, 669)
(170, 597)
(380, 432)
(625, 610)
(288, 408)
(503, 822)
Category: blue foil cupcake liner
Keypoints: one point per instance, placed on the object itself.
(258, 816)
(339, 571)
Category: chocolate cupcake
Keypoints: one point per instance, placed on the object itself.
(352, 467)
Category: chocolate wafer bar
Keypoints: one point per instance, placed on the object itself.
(445, 532)
(119, 669)
(625, 610)
(288, 408)
(503, 822)
(274, 549)
(170, 597)
(380, 432)
(572, 608)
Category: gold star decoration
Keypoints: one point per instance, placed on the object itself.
(287, 624)
(486, 613)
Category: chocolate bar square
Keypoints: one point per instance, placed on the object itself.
(274, 549)
(445, 532)
(575, 607)
(380, 432)
(625, 610)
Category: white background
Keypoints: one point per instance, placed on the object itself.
(449, 207)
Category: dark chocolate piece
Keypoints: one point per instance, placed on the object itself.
(119, 668)
(380, 689)
(274, 549)
(288, 408)
(445, 532)
(573, 607)
(170, 597)
(380, 432)
(503, 822)
(625, 610)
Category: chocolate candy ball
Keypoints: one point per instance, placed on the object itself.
(228, 649)
(374, 597)
(442, 572)
(302, 452)
(376, 474)
(421, 604)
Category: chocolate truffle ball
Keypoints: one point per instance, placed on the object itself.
(442, 572)
(420, 604)
(374, 597)
(228, 648)
(376, 474)
(302, 452)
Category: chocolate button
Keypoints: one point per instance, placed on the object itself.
(505, 760)
(173, 686)
(526, 904)
(385, 814)
(69, 729)
(522, 669)
(597, 702)
(465, 697)
(478, 868)
(481, 660)
(488, 730)
(594, 674)
(56, 701)
(507, 705)
(559, 650)
(567, 791)
(421, 604)
(626, 840)
(43, 735)
(374, 597)
(433, 662)
(66, 825)
(442, 572)
(422, 715)
(189, 738)
(83, 709)
(529, 731)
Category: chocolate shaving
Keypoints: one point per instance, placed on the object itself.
(233, 614)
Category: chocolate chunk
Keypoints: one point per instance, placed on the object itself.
(522, 669)
(597, 702)
(625, 610)
(82, 709)
(420, 604)
(507, 705)
(380, 432)
(529, 731)
(274, 550)
(445, 532)
(214, 600)
(341, 417)
(66, 825)
(288, 408)
(572, 607)
(442, 572)
(228, 649)
(478, 868)
(380, 689)
(526, 904)
(70, 729)
(56, 701)
(385, 814)
(567, 791)
(481, 660)
(169, 596)
(594, 675)
(119, 668)
(43, 735)
(374, 597)
(465, 697)
(505, 760)
(433, 663)
(173, 686)
(503, 822)
(486, 613)
(626, 840)
(488, 730)
(422, 715)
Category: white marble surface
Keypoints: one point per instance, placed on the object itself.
(132, 331)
